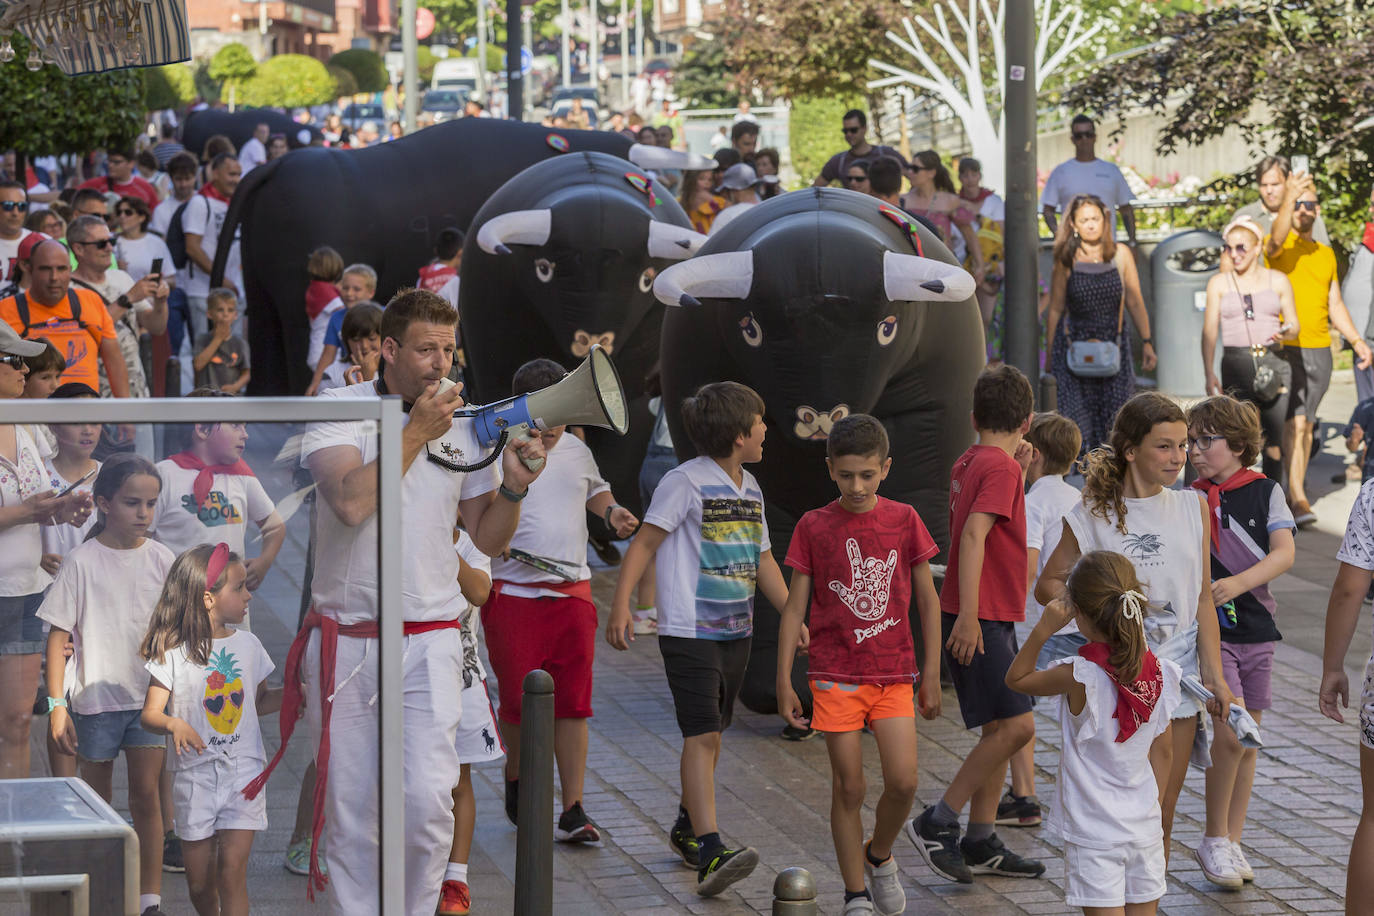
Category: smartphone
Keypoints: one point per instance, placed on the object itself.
(157, 268)
(84, 477)
(1302, 165)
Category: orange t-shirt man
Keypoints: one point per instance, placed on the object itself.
(77, 341)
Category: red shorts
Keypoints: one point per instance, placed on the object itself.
(849, 707)
(556, 634)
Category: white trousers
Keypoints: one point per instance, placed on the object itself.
(432, 685)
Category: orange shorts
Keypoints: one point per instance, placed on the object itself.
(849, 707)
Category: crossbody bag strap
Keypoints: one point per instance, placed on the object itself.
(1121, 308)
(1245, 322)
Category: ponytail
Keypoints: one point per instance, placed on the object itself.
(1105, 591)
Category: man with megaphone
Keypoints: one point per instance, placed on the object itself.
(335, 655)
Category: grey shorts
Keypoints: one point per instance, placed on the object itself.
(1311, 377)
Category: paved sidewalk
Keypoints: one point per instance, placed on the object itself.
(775, 795)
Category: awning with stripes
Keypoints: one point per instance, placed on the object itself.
(93, 36)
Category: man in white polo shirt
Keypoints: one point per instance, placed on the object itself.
(1086, 174)
(338, 641)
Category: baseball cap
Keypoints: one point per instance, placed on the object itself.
(11, 343)
(29, 243)
(742, 175)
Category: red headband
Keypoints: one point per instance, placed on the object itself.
(219, 558)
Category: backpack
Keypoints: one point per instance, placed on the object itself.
(21, 304)
(176, 238)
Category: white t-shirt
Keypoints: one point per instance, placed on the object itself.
(553, 518)
(62, 539)
(9, 251)
(473, 672)
(127, 331)
(234, 500)
(729, 215)
(1099, 178)
(1357, 547)
(1163, 540)
(21, 546)
(318, 325)
(218, 700)
(335, 374)
(1107, 796)
(137, 256)
(708, 565)
(161, 219)
(105, 599)
(204, 217)
(450, 291)
(345, 583)
(252, 154)
(1048, 500)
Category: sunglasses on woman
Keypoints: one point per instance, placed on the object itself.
(856, 179)
(124, 212)
(1237, 251)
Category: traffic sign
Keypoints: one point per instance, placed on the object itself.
(526, 61)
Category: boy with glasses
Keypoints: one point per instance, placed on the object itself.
(855, 132)
(1086, 174)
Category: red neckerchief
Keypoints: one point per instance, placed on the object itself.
(213, 193)
(317, 295)
(1368, 239)
(1134, 703)
(1214, 490)
(983, 194)
(330, 631)
(201, 488)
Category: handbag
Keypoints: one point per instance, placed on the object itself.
(1267, 382)
(1098, 358)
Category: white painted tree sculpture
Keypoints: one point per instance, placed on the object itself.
(973, 87)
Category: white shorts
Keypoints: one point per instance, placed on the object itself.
(208, 797)
(479, 740)
(1367, 706)
(1113, 877)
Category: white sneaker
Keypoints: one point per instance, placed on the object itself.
(645, 622)
(885, 885)
(1218, 864)
(1242, 864)
(859, 906)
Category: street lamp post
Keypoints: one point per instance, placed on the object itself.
(411, 80)
(515, 81)
(565, 40)
(482, 52)
(593, 46)
(1021, 284)
(624, 57)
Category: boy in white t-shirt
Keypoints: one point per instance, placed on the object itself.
(209, 493)
(1049, 497)
(544, 617)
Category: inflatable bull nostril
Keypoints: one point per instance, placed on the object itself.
(903, 341)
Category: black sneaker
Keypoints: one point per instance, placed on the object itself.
(575, 827)
(725, 868)
(171, 853)
(992, 857)
(685, 844)
(605, 551)
(1017, 811)
(939, 846)
(513, 801)
(792, 733)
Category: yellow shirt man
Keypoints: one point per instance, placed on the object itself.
(1311, 268)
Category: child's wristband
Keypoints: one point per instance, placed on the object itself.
(54, 702)
(607, 516)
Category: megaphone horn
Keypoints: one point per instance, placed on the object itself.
(590, 395)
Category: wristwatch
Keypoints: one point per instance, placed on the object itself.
(507, 493)
(607, 516)
(123, 302)
(1147, 340)
(54, 702)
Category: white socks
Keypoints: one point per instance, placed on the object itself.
(456, 871)
(147, 900)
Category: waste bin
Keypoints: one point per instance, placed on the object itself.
(1180, 267)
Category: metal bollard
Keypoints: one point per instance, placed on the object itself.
(534, 832)
(794, 893)
(1049, 392)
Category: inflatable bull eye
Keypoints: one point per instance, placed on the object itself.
(646, 279)
(558, 142)
(907, 223)
(887, 330)
(752, 330)
(543, 269)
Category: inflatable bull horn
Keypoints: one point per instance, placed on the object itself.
(728, 275)
(658, 157)
(533, 227)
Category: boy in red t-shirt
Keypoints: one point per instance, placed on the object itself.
(857, 560)
(984, 595)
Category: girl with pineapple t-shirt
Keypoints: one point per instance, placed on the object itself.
(214, 676)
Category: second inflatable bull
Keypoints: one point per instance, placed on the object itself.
(827, 302)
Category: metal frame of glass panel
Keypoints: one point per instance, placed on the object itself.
(386, 412)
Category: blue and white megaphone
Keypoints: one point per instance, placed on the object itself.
(590, 395)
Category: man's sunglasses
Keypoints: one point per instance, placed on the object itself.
(124, 211)
(102, 244)
(9, 206)
(852, 130)
(1079, 135)
(14, 362)
(855, 179)
(1306, 205)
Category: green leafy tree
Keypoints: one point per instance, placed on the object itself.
(369, 73)
(232, 67)
(812, 131)
(424, 62)
(172, 86)
(704, 80)
(46, 112)
(344, 83)
(290, 81)
(1293, 78)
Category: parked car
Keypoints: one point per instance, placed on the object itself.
(444, 104)
(562, 100)
(355, 114)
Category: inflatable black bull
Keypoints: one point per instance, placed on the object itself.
(238, 126)
(564, 256)
(827, 302)
(382, 206)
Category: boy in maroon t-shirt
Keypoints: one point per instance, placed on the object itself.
(983, 596)
(857, 560)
